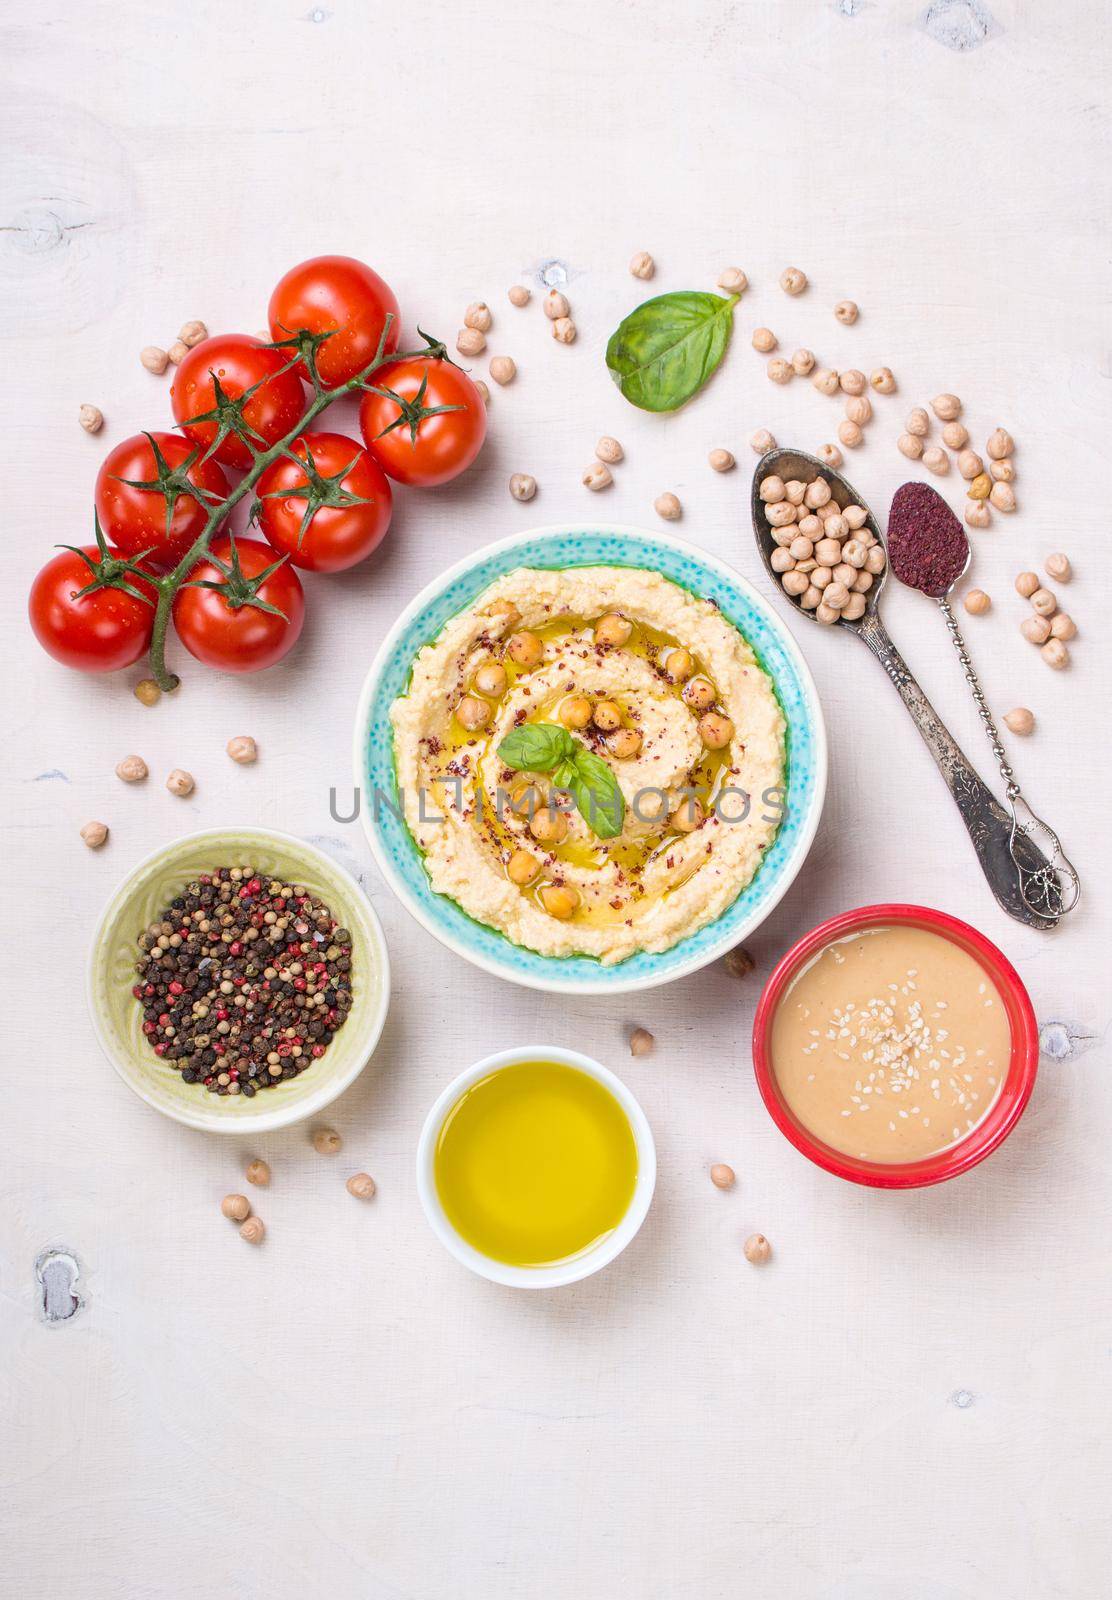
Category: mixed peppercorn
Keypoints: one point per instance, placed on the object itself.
(244, 981)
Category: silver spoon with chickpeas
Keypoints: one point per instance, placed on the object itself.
(824, 549)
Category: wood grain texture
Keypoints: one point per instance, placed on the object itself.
(343, 1410)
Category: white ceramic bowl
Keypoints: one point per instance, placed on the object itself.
(117, 1018)
(565, 1271)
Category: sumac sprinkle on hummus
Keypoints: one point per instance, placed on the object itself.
(622, 739)
(243, 981)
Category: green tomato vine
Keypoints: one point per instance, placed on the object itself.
(228, 416)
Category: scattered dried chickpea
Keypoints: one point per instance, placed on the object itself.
(470, 342)
(478, 316)
(846, 312)
(1057, 566)
(980, 487)
(258, 1173)
(831, 455)
(859, 408)
(1063, 627)
(253, 1230)
(177, 353)
(503, 369)
(850, 434)
(722, 1176)
(668, 507)
(803, 361)
(522, 486)
(193, 332)
(91, 418)
(733, 280)
(519, 295)
(597, 476)
(738, 962)
(154, 358)
(609, 450)
(326, 1141)
(1000, 444)
(1035, 629)
(722, 460)
(977, 514)
(1044, 602)
(764, 340)
(780, 371)
(642, 265)
(1003, 497)
(970, 464)
(94, 834)
(484, 392)
(825, 380)
(757, 1249)
(1026, 583)
(236, 1207)
(1055, 654)
(361, 1186)
(793, 281)
(641, 1042)
(243, 749)
(180, 782)
(556, 305)
(936, 460)
(852, 382)
(910, 445)
(1020, 721)
(918, 422)
(762, 441)
(946, 407)
(1002, 471)
(883, 380)
(132, 769)
(977, 602)
(955, 435)
(564, 330)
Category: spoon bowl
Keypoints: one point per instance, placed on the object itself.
(797, 464)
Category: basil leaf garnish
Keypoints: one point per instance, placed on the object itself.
(537, 747)
(597, 795)
(668, 347)
(546, 747)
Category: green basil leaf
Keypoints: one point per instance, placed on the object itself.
(597, 795)
(537, 747)
(667, 348)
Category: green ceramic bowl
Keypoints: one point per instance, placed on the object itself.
(117, 1017)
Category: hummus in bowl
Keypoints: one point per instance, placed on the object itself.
(662, 825)
(590, 759)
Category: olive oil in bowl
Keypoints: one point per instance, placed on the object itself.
(536, 1164)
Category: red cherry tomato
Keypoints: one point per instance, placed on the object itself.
(410, 437)
(238, 361)
(336, 293)
(96, 632)
(338, 534)
(133, 519)
(221, 627)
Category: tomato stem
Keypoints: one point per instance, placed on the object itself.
(168, 586)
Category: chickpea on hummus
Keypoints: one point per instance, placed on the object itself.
(590, 760)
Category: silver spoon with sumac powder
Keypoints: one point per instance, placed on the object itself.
(1036, 888)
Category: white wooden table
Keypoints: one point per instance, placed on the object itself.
(911, 1400)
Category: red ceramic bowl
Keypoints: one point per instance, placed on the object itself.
(1009, 1105)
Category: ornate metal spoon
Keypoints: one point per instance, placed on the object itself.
(1034, 888)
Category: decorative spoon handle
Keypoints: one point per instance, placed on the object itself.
(990, 827)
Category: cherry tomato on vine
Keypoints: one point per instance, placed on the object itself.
(252, 619)
(425, 421)
(332, 511)
(341, 296)
(135, 519)
(101, 630)
(238, 362)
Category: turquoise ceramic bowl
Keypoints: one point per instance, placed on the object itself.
(584, 546)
